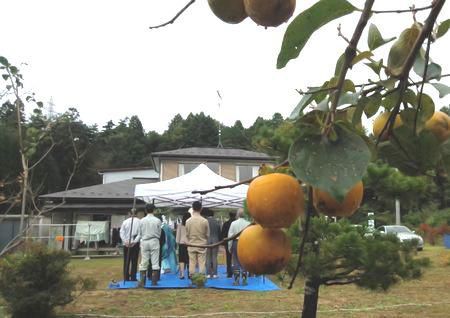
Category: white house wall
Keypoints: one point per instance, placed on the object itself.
(114, 176)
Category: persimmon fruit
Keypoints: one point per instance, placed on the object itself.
(269, 13)
(380, 122)
(326, 204)
(263, 250)
(275, 200)
(439, 125)
(229, 11)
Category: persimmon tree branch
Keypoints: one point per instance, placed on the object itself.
(175, 17)
(424, 79)
(411, 9)
(350, 53)
(235, 236)
(377, 86)
(301, 250)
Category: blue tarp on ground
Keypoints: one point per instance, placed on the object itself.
(170, 280)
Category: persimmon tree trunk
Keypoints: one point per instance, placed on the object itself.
(311, 297)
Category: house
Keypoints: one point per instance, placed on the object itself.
(110, 201)
(230, 163)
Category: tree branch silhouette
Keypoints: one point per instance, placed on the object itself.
(175, 17)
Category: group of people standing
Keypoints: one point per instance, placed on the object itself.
(198, 228)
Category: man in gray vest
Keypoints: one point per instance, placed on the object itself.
(150, 232)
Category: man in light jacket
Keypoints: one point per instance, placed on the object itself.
(150, 232)
(237, 226)
(197, 232)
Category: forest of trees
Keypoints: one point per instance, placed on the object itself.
(127, 144)
(120, 144)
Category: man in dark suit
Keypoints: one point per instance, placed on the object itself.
(225, 228)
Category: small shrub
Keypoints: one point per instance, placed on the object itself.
(198, 280)
(35, 279)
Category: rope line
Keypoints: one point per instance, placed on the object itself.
(264, 312)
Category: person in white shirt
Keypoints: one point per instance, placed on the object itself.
(237, 226)
(129, 234)
(150, 232)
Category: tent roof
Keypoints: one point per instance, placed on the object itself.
(177, 192)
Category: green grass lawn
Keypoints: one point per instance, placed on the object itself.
(428, 297)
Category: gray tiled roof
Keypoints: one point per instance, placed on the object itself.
(203, 152)
(114, 190)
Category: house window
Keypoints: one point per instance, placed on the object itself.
(184, 168)
(246, 172)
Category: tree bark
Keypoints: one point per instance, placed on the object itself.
(310, 298)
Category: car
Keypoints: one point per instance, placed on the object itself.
(403, 233)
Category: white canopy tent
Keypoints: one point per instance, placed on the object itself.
(177, 192)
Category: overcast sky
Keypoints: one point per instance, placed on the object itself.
(100, 57)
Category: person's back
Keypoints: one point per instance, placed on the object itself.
(225, 228)
(150, 232)
(237, 226)
(129, 234)
(197, 232)
(214, 230)
(214, 237)
(150, 227)
(197, 229)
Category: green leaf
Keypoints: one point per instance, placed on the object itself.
(374, 39)
(443, 28)
(408, 116)
(303, 103)
(339, 65)
(359, 109)
(4, 61)
(361, 56)
(427, 106)
(348, 98)
(390, 100)
(410, 97)
(372, 105)
(389, 83)
(433, 71)
(442, 89)
(14, 70)
(401, 48)
(411, 154)
(333, 166)
(5, 76)
(306, 23)
(375, 66)
(348, 86)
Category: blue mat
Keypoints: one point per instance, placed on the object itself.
(171, 280)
